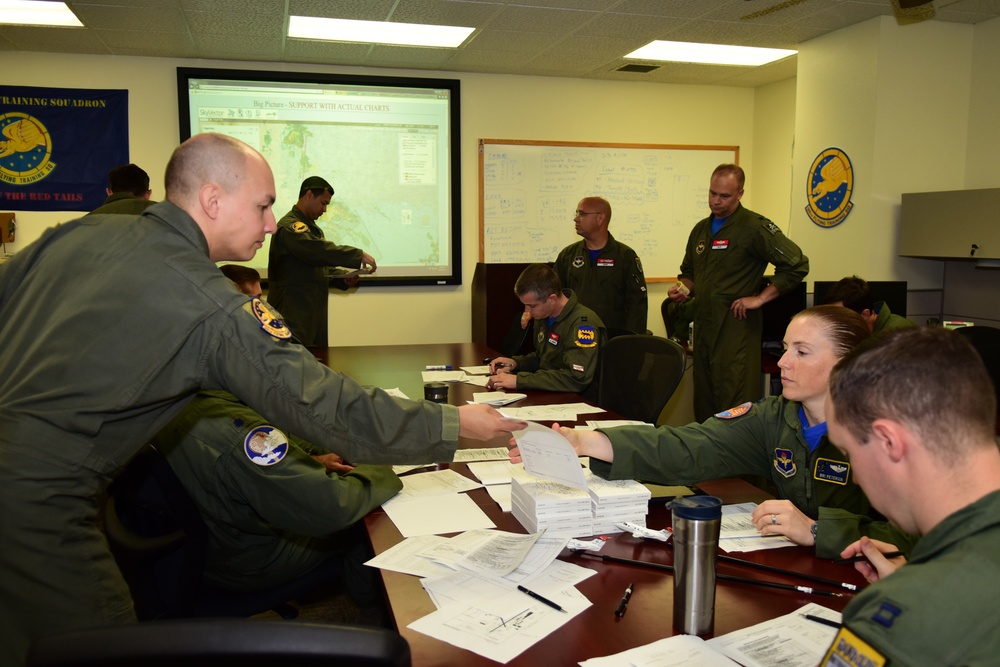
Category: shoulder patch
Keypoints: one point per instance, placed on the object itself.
(784, 462)
(738, 411)
(638, 264)
(299, 227)
(771, 227)
(265, 445)
(578, 262)
(586, 336)
(268, 322)
(849, 649)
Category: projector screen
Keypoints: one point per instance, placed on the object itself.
(387, 145)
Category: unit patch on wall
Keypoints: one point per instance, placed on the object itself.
(829, 187)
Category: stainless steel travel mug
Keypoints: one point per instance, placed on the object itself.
(696, 522)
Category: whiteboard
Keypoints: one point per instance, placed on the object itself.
(528, 191)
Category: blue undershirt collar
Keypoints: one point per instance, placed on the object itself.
(812, 434)
(717, 224)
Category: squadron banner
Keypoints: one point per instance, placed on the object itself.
(57, 146)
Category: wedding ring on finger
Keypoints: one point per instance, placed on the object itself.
(774, 519)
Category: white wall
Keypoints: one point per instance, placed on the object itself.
(493, 106)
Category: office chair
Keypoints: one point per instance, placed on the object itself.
(222, 643)
(159, 541)
(986, 340)
(517, 338)
(639, 374)
(614, 332)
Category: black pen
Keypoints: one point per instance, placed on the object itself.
(861, 557)
(620, 611)
(824, 621)
(541, 599)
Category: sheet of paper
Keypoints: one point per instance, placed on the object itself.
(737, 532)
(496, 637)
(434, 482)
(791, 640)
(484, 552)
(435, 515)
(397, 392)
(497, 398)
(540, 413)
(676, 651)
(501, 494)
(442, 376)
(481, 454)
(549, 456)
(476, 370)
(405, 557)
(478, 380)
(542, 554)
(612, 423)
(492, 472)
(401, 469)
(584, 408)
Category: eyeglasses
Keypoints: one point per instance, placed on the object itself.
(580, 214)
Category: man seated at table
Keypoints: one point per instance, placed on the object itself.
(915, 414)
(855, 293)
(276, 506)
(568, 338)
(246, 279)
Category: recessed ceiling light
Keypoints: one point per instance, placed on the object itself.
(711, 54)
(379, 32)
(36, 12)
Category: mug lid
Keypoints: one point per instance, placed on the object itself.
(704, 508)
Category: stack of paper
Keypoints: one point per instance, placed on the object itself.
(614, 501)
(558, 509)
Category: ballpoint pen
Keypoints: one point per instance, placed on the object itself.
(861, 557)
(543, 600)
(620, 611)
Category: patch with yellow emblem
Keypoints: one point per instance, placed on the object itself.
(298, 227)
(738, 411)
(586, 336)
(578, 262)
(700, 248)
(268, 321)
(849, 650)
(783, 462)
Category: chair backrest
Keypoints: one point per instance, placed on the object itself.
(639, 374)
(516, 337)
(222, 643)
(986, 340)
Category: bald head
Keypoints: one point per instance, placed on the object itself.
(206, 158)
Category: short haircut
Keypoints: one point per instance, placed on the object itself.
(853, 292)
(315, 185)
(206, 158)
(732, 170)
(240, 274)
(129, 178)
(929, 379)
(539, 280)
(845, 328)
(603, 205)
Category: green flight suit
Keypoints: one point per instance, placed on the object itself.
(109, 325)
(613, 286)
(123, 202)
(268, 522)
(763, 439)
(886, 320)
(726, 267)
(298, 275)
(566, 352)
(941, 607)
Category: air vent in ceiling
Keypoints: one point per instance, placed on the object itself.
(641, 69)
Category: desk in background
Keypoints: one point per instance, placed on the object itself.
(595, 632)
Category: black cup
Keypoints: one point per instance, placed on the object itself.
(436, 391)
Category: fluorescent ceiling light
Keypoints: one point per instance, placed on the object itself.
(711, 54)
(379, 32)
(35, 12)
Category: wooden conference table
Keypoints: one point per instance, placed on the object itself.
(596, 631)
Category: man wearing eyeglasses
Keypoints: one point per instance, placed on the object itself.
(723, 265)
(606, 275)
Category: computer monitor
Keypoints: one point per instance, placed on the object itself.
(778, 313)
(892, 292)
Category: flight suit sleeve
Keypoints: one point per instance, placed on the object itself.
(839, 528)
(310, 249)
(687, 264)
(573, 369)
(562, 265)
(287, 385)
(297, 495)
(689, 454)
(790, 265)
(636, 296)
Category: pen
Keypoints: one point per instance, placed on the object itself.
(620, 611)
(861, 557)
(541, 599)
(824, 621)
(438, 368)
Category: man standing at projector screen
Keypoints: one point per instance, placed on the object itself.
(300, 261)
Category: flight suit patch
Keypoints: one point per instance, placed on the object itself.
(849, 650)
(586, 336)
(738, 411)
(577, 262)
(299, 227)
(638, 264)
(773, 228)
(700, 248)
(579, 368)
(828, 470)
(268, 322)
(265, 445)
(783, 462)
(553, 338)
(886, 614)
(720, 244)
(606, 261)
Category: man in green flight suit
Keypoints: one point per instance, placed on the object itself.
(272, 519)
(128, 191)
(723, 265)
(299, 265)
(855, 293)
(568, 339)
(915, 412)
(95, 368)
(605, 274)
